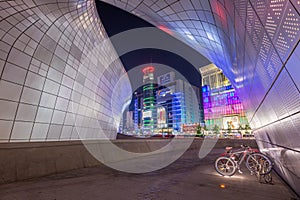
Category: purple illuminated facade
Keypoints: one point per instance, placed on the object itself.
(221, 101)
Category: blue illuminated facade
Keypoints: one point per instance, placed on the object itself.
(172, 114)
(136, 112)
(164, 107)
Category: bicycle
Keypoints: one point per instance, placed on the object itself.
(230, 161)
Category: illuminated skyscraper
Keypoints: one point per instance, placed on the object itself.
(149, 100)
(178, 103)
(222, 106)
(163, 106)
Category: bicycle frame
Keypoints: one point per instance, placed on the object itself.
(245, 153)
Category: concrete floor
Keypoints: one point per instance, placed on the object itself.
(188, 178)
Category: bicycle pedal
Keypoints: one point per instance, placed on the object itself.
(240, 171)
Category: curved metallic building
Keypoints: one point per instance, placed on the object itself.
(256, 44)
(57, 71)
(52, 71)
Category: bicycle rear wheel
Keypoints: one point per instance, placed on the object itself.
(225, 166)
(259, 163)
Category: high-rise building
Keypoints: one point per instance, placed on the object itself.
(180, 102)
(149, 100)
(165, 106)
(222, 106)
(127, 124)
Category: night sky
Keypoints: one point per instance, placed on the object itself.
(116, 21)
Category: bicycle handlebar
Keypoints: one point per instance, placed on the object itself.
(244, 146)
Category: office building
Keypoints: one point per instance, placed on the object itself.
(222, 106)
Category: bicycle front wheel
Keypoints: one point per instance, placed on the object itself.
(259, 163)
(225, 166)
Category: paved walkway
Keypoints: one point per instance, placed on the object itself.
(188, 178)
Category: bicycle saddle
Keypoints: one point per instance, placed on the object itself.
(228, 148)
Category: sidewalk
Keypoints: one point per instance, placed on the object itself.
(188, 178)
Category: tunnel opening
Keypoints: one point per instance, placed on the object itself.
(167, 62)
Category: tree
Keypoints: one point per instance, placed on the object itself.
(240, 128)
(216, 129)
(199, 132)
(229, 129)
(205, 128)
(247, 128)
